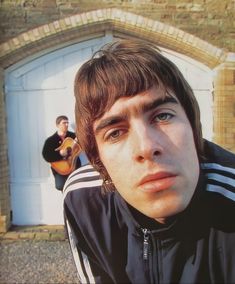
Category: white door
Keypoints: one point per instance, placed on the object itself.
(37, 92)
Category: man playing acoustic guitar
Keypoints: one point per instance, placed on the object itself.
(61, 150)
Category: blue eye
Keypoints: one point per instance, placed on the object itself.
(114, 135)
(163, 117)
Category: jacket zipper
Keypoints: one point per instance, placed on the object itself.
(152, 262)
(147, 253)
(146, 244)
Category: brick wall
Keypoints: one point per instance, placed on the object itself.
(224, 105)
(211, 20)
(4, 173)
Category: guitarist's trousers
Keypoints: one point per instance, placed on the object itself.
(60, 181)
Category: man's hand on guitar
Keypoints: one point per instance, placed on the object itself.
(66, 152)
(69, 150)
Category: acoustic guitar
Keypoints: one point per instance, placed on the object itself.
(68, 164)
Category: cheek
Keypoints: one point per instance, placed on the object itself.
(189, 158)
(183, 137)
(189, 144)
(183, 147)
(116, 162)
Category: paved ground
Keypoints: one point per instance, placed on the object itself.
(35, 255)
(49, 233)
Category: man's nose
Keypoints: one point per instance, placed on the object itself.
(146, 143)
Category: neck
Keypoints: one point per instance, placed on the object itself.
(61, 133)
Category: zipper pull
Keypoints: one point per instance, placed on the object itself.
(145, 244)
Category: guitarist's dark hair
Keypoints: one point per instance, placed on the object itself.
(124, 69)
(59, 118)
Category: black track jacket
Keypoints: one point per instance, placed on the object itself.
(53, 142)
(112, 242)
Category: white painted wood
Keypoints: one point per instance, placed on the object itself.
(36, 93)
(200, 79)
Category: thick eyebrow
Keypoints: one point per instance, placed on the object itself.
(115, 119)
(156, 103)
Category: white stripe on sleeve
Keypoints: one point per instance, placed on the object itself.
(221, 178)
(85, 277)
(211, 166)
(221, 190)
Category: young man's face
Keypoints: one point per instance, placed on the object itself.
(63, 125)
(147, 146)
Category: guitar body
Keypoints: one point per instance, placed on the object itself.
(62, 167)
(68, 165)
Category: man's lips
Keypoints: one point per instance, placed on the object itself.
(157, 182)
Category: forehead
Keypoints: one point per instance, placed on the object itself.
(136, 103)
(63, 121)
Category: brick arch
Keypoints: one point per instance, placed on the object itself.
(89, 24)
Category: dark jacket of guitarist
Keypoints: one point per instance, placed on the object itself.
(51, 153)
